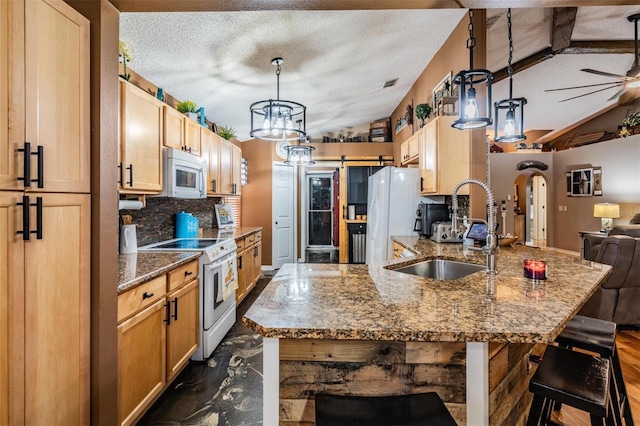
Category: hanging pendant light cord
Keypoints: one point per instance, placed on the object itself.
(471, 42)
(509, 68)
(278, 82)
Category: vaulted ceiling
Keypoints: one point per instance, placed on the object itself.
(337, 61)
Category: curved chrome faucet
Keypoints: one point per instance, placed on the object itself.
(489, 249)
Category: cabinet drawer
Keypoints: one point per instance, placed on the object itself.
(183, 275)
(249, 240)
(240, 244)
(258, 236)
(140, 297)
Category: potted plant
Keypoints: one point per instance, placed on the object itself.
(226, 132)
(188, 108)
(125, 54)
(423, 111)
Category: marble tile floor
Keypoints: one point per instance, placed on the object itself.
(225, 390)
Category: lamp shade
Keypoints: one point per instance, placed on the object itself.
(607, 210)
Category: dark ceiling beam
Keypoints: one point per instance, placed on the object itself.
(240, 5)
(575, 47)
(562, 23)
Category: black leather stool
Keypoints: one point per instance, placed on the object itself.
(575, 379)
(599, 336)
(406, 410)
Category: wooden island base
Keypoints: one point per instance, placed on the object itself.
(365, 367)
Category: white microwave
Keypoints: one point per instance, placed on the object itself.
(185, 174)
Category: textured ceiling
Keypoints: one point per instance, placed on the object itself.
(336, 62)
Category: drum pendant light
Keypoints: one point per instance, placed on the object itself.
(470, 111)
(512, 130)
(272, 120)
(299, 155)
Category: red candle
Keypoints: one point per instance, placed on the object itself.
(535, 269)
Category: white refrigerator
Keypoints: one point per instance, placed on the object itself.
(392, 200)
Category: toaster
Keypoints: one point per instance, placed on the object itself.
(441, 233)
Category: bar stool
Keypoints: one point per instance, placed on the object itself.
(575, 379)
(599, 336)
(406, 410)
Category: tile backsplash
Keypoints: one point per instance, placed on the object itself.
(157, 220)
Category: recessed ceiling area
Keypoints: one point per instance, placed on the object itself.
(337, 62)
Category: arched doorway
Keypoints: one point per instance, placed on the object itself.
(530, 198)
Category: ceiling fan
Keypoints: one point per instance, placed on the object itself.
(629, 84)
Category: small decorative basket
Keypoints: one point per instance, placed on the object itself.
(507, 241)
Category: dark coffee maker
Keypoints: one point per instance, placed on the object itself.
(428, 214)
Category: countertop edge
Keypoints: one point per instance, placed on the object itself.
(130, 285)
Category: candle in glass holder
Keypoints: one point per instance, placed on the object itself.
(535, 269)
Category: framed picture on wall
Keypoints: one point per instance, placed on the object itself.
(597, 181)
(582, 183)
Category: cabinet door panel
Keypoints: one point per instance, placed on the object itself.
(236, 160)
(57, 295)
(141, 125)
(429, 158)
(11, 310)
(11, 93)
(257, 262)
(173, 128)
(182, 334)
(141, 361)
(192, 136)
(241, 265)
(57, 93)
(226, 169)
(211, 152)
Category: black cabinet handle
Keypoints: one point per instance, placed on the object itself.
(421, 184)
(40, 154)
(255, 252)
(175, 308)
(121, 174)
(25, 218)
(130, 168)
(26, 177)
(146, 295)
(168, 317)
(38, 230)
(187, 273)
(26, 206)
(213, 185)
(344, 212)
(240, 262)
(233, 188)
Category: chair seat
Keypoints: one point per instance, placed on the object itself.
(573, 378)
(591, 334)
(405, 410)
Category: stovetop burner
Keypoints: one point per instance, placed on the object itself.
(188, 243)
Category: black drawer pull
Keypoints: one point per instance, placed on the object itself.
(121, 173)
(26, 177)
(168, 317)
(175, 309)
(40, 154)
(187, 273)
(130, 168)
(213, 185)
(26, 223)
(146, 295)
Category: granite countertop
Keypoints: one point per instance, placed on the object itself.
(330, 301)
(135, 269)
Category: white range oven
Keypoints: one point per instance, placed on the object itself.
(218, 276)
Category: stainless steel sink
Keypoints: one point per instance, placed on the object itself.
(441, 269)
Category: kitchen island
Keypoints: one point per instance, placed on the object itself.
(369, 330)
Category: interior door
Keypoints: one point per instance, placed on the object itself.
(283, 215)
(320, 210)
(336, 208)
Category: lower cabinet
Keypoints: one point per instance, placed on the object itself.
(249, 260)
(157, 334)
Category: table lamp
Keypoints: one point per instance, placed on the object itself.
(607, 212)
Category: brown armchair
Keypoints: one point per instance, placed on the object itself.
(618, 297)
(591, 242)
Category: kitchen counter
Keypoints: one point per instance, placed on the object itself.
(234, 233)
(135, 269)
(318, 312)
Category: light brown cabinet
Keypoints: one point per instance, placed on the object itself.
(249, 261)
(44, 97)
(45, 286)
(226, 167)
(173, 128)
(192, 139)
(448, 156)
(157, 333)
(141, 125)
(236, 169)
(211, 143)
(410, 150)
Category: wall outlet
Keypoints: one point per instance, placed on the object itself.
(559, 208)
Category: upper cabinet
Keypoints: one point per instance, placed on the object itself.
(409, 150)
(192, 136)
(236, 174)
(140, 167)
(44, 114)
(448, 156)
(210, 143)
(181, 132)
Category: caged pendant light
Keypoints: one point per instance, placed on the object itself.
(299, 155)
(272, 120)
(513, 108)
(467, 80)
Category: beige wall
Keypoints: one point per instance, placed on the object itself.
(620, 162)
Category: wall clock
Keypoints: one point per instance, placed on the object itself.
(280, 149)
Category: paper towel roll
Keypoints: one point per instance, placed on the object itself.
(129, 205)
(351, 212)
